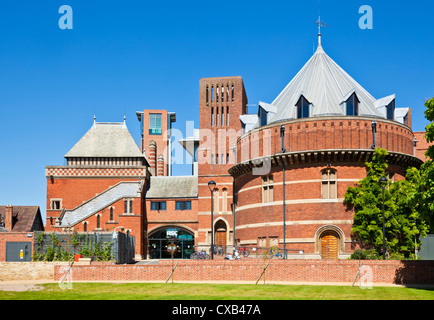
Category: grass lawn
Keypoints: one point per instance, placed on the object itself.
(180, 291)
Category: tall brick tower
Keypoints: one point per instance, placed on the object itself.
(221, 102)
(156, 126)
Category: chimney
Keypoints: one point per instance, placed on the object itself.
(152, 156)
(160, 165)
(8, 217)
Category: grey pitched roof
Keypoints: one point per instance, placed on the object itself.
(106, 139)
(102, 200)
(172, 187)
(325, 85)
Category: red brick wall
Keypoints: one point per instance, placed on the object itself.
(13, 237)
(327, 133)
(218, 139)
(314, 271)
(160, 139)
(421, 145)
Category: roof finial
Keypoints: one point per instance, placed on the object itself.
(320, 24)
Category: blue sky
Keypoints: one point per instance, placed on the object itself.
(124, 56)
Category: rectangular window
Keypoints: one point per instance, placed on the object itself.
(227, 116)
(207, 95)
(328, 184)
(267, 189)
(128, 203)
(155, 123)
(183, 205)
(232, 93)
(158, 205)
(217, 116)
(55, 204)
(223, 116)
(212, 116)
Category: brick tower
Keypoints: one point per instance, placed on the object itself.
(221, 102)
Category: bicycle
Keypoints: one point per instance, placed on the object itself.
(199, 255)
(274, 251)
(244, 251)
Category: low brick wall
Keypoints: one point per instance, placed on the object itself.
(344, 271)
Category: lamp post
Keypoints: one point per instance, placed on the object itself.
(211, 186)
(282, 134)
(383, 182)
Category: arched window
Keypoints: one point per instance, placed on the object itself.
(328, 184)
(98, 221)
(111, 213)
(85, 226)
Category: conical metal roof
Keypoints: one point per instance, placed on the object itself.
(326, 86)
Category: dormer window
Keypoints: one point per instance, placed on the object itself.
(352, 105)
(390, 110)
(302, 108)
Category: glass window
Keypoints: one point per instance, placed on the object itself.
(183, 205)
(155, 123)
(352, 105)
(302, 108)
(391, 111)
(158, 205)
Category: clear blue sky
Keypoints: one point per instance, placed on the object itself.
(124, 56)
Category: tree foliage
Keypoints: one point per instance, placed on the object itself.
(427, 170)
(401, 201)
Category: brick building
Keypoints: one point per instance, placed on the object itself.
(312, 141)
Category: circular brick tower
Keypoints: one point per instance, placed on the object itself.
(300, 153)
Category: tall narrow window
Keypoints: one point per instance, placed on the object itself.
(155, 123)
(223, 93)
(224, 200)
(267, 188)
(85, 226)
(212, 116)
(207, 95)
(216, 200)
(227, 116)
(232, 92)
(217, 158)
(352, 105)
(227, 92)
(302, 108)
(328, 184)
(217, 116)
(217, 94)
(223, 116)
(98, 221)
(212, 93)
(390, 110)
(128, 206)
(111, 213)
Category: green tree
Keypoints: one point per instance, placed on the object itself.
(403, 222)
(366, 200)
(426, 188)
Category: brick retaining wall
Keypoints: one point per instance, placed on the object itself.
(344, 271)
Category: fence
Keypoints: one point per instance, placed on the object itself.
(100, 246)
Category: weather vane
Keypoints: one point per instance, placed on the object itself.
(320, 23)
